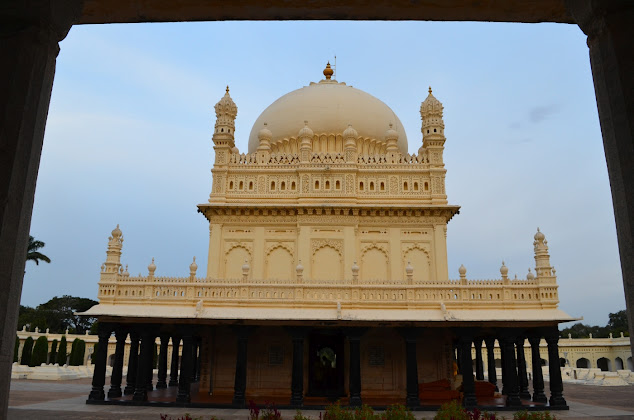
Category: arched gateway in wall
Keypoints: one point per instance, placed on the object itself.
(327, 275)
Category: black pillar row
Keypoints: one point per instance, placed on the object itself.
(144, 364)
(411, 337)
(99, 375)
(354, 340)
(240, 383)
(117, 370)
(176, 343)
(479, 365)
(194, 360)
(490, 343)
(468, 384)
(184, 382)
(509, 370)
(133, 362)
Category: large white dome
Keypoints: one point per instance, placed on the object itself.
(329, 107)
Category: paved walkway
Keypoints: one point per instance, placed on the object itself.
(66, 400)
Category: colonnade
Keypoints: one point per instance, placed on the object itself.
(514, 381)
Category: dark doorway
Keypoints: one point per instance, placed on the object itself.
(326, 364)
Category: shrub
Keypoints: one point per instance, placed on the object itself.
(187, 416)
(40, 351)
(26, 351)
(270, 412)
(336, 412)
(16, 349)
(364, 413)
(300, 416)
(533, 415)
(77, 352)
(61, 353)
(53, 357)
(397, 412)
(454, 411)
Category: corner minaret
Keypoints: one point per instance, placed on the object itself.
(224, 130)
(542, 258)
(433, 128)
(111, 268)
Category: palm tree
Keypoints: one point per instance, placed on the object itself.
(32, 253)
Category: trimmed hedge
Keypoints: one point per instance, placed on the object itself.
(77, 352)
(52, 359)
(27, 350)
(40, 352)
(61, 353)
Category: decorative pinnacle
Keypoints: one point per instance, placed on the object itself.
(328, 71)
(227, 91)
(429, 90)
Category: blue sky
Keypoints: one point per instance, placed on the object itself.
(128, 140)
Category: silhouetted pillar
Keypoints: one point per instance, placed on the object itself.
(162, 364)
(195, 348)
(608, 24)
(556, 383)
(509, 375)
(99, 376)
(184, 382)
(199, 358)
(490, 343)
(354, 341)
(145, 361)
(522, 375)
(240, 384)
(176, 343)
(133, 363)
(150, 365)
(297, 380)
(479, 365)
(411, 365)
(538, 378)
(30, 32)
(117, 370)
(468, 385)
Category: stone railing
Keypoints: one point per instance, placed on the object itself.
(242, 159)
(454, 294)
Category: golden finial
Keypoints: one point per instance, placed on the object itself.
(429, 90)
(227, 89)
(328, 71)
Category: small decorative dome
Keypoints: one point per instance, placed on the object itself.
(462, 270)
(265, 133)
(350, 132)
(328, 72)
(235, 150)
(409, 269)
(391, 133)
(193, 266)
(300, 267)
(226, 106)
(539, 236)
(504, 270)
(530, 275)
(245, 266)
(305, 131)
(126, 273)
(152, 267)
(355, 268)
(431, 105)
(116, 233)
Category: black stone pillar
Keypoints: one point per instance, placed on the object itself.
(509, 375)
(479, 365)
(195, 348)
(99, 376)
(556, 383)
(117, 370)
(176, 343)
(490, 343)
(297, 382)
(133, 363)
(240, 384)
(150, 365)
(505, 381)
(522, 375)
(538, 378)
(468, 385)
(30, 32)
(184, 382)
(355, 369)
(608, 24)
(411, 365)
(145, 361)
(162, 364)
(199, 359)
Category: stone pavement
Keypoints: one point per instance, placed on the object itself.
(66, 400)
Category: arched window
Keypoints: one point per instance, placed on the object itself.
(283, 186)
(415, 186)
(241, 185)
(338, 185)
(361, 186)
(231, 185)
(316, 185)
(371, 186)
(272, 185)
(382, 186)
(293, 186)
(405, 186)
(251, 185)
(426, 186)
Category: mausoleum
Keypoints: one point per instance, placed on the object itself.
(327, 276)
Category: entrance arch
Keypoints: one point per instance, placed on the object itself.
(604, 364)
(618, 363)
(583, 363)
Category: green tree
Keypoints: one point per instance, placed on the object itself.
(27, 350)
(53, 357)
(77, 352)
(61, 353)
(618, 324)
(16, 349)
(60, 313)
(32, 253)
(31, 318)
(40, 351)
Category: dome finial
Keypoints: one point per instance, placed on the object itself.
(227, 91)
(328, 71)
(428, 90)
